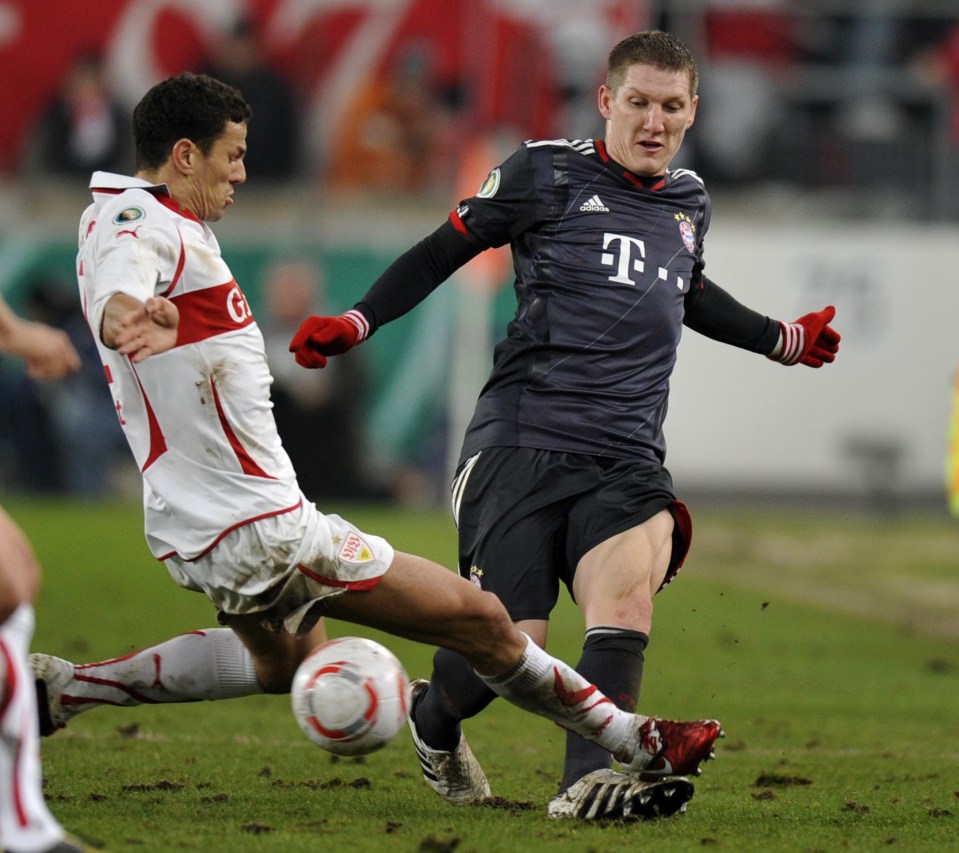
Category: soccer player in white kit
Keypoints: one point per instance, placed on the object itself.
(185, 362)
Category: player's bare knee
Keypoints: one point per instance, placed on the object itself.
(489, 611)
(490, 626)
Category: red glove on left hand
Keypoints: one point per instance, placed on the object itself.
(319, 337)
(810, 340)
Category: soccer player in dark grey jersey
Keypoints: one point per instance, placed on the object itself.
(561, 476)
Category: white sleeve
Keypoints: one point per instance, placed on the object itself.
(139, 260)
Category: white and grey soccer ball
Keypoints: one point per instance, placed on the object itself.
(351, 696)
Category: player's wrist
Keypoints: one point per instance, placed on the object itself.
(358, 320)
(791, 344)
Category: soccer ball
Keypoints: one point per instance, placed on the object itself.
(351, 696)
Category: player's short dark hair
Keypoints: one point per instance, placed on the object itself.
(189, 106)
(653, 47)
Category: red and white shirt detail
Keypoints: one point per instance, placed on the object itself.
(198, 418)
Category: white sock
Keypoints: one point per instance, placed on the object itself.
(206, 664)
(546, 686)
(26, 824)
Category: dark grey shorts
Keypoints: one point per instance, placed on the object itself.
(526, 517)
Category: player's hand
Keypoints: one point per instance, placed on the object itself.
(47, 352)
(319, 337)
(810, 340)
(148, 329)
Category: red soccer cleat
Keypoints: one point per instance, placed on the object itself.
(670, 748)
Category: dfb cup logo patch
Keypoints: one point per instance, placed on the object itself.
(129, 214)
(490, 185)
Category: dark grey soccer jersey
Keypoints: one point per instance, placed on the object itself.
(607, 273)
(603, 265)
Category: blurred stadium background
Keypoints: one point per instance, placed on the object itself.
(828, 135)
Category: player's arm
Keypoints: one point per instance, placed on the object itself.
(713, 312)
(47, 352)
(504, 208)
(139, 329)
(412, 277)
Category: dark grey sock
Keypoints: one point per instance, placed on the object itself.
(613, 661)
(455, 693)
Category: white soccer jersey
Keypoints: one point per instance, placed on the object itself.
(198, 418)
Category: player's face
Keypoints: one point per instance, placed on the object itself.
(218, 172)
(647, 118)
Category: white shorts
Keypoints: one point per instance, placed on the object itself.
(282, 567)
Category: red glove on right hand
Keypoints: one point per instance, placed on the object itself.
(810, 340)
(319, 337)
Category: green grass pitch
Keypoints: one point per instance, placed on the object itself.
(828, 647)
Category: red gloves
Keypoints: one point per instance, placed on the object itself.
(810, 340)
(319, 337)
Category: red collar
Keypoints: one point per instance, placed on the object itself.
(160, 194)
(656, 183)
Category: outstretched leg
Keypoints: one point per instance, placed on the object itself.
(423, 601)
(212, 663)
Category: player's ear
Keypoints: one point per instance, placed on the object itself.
(604, 99)
(692, 112)
(183, 155)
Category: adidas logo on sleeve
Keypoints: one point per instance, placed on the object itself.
(594, 205)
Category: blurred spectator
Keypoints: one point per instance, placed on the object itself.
(77, 414)
(938, 66)
(27, 444)
(318, 412)
(84, 128)
(748, 46)
(273, 137)
(399, 133)
(866, 50)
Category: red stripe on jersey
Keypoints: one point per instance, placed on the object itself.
(157, 441)
(210, 312)
(457, 223)
(601, 150)
(216, 541)
(109, 374)
(6, 700)
(181, 262)
(246, 461)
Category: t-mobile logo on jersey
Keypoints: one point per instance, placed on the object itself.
(626, 254)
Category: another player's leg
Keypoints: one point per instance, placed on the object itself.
(448, 764)
(25, 820)
(614, 584)
(422, 601)
(613, 660)
(455, 693)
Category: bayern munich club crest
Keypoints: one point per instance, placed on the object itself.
(687, 232)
